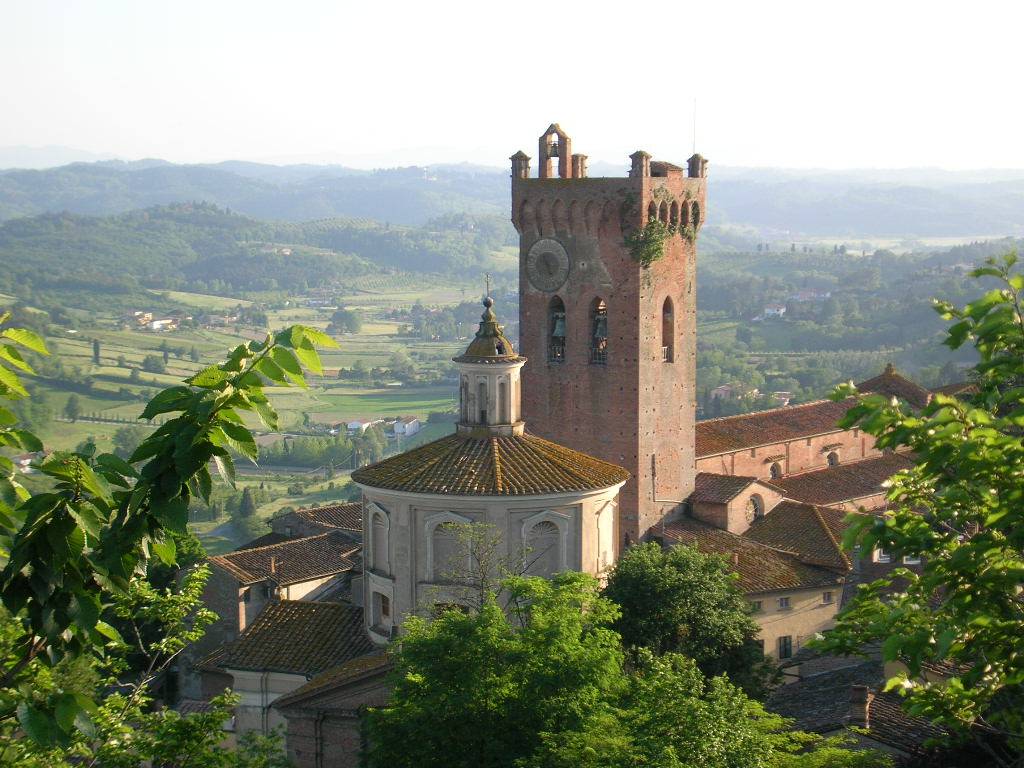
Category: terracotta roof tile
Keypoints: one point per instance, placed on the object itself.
(957, 389)
(721, 489)
(375, 660)
(844, 482)
(821, 703)
(891, 383)
(348, 517)
(760, 568)
(890, 724)
(494, 466)
(263, 541)
(294, 560)
(812, 533)
(733, 433)
(299, 637)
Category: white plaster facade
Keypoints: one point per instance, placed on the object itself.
(405, 570)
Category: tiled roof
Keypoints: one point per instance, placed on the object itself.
(891, 383)
(733, 433)
(812, 533)
(719, 489)
(760, 568)
(844, 482)
(263, 541)
(957, 389)
(348, 516)
(299, 637)
(294, 560)
(376, 660)
(890, 724)
(492, 466)
(821, 703)
(777, 425)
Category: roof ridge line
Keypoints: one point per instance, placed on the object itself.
(499, 475)
(831, 537)
(287, 542)
(766, 410)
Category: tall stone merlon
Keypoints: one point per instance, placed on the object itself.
(612, 343)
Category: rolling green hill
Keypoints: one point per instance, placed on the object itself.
(200, 247)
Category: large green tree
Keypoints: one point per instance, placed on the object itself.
(685, 601)
(543, 683)
(961, 510)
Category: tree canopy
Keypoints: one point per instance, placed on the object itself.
(543, 683)
(685, 601)
(961, 510)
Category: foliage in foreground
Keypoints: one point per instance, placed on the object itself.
(545, 685)
(685, 601)
(128, 727)
(75, 554)
(961, 509)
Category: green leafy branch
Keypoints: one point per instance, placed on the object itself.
(73, 548)
(961, 510)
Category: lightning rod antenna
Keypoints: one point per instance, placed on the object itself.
(695, 125)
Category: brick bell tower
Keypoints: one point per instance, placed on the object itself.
(612, 341)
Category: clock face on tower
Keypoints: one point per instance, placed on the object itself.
(547, 265)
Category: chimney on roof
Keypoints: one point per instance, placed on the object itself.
(860, 705)
(735, 558)
(273, 565)
(890, 369)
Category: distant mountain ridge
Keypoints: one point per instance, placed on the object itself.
(775, 203)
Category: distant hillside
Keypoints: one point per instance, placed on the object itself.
(776, 203)
(205, 248)
(282, 193)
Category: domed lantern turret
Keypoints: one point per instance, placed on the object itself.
(489, 381)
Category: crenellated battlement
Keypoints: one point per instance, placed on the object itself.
(562, 199)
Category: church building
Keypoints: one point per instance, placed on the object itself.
(569, 453)
(552, 508)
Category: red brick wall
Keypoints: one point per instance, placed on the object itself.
(636, 410)
(800, 455)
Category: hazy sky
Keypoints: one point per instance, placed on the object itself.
(816, 84)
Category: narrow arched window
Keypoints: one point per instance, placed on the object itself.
(556, 330)
(673, 214)
(755, 507)
(598, 332)
(652, 211)
(776, 471)
(668, 331)
(543, 544)
(481, 401)
(464, 398)
(695, 215)
(663, 213)
(503, 415)
(833, 459)
(379, 544)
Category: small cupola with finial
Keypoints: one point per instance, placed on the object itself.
(489, 381)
